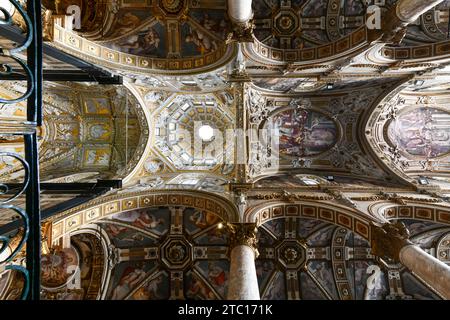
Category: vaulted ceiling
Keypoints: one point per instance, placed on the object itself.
(362, 116)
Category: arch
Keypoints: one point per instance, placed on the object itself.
(74, 219)
(349, 219)
(348, 46)
(417, 54)
(394, 156)
(423, 211)
(67, 40)
(102, 281)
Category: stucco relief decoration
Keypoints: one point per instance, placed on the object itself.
(158, 35)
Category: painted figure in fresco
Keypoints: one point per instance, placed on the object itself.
(66, 131)
(97, 157)
(276, 288)
(422, 132)
(202, 219)
(147, 221)
(115, 230)
(198, 290)
(211, 24)
(275, 226)
(99, 131)
(143, 43)
(149, 291)
(125, 24)
(304, 133)
(323, 274)
(55, 267)
(216, 235)
(140, 219)
(203, 43)
(263, 268)
(216, 274)
(131, 276)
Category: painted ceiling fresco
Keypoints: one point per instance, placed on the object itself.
(430, 27)
(299, 24)
(317, 133)
(180, 253)
(414, 131)
(167, 29)
(74, 273)
(422, 132)
(304, 133)
(371, 118)
(302, 24)
(310, 259)
(87, 129)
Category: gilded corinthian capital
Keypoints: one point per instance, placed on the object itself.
(243, 234)
(389, 239)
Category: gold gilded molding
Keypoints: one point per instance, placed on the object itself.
(93, 52)
(97, 209)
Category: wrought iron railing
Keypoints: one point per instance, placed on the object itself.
(29, 210)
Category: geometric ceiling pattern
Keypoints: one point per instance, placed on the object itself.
(181, 253)
(308, 259)
(358, 122)
(89, 131)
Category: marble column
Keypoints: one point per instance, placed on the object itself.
(410, 10)
(243, 282)
(395, 21)
(241, 15)
(391, 241)
(240, 11)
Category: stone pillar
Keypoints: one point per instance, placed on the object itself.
(404, 13)
(391, 241)
(240, 11)
(243, 283)
(241, 14)
(428, 268)
(410, 10)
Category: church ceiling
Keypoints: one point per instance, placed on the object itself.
(181, 253)
(90, 130)
(412, 132)
(302, 24)
(158, 35)
(359, 133)
(430, 27)
(316, 133)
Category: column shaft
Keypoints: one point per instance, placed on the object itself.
(434, 272)
(243, 283)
